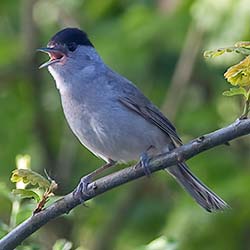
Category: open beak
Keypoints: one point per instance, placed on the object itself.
(56, 55)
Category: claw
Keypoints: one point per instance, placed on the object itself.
(83, 188)
(144, 160)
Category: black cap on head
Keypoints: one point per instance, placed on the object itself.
(70, 36)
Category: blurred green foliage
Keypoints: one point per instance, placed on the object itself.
(143, 40)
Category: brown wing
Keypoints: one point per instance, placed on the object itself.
(153, 115)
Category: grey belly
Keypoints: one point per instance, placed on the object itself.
(118, 135)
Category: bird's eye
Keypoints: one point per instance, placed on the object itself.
(72, 46)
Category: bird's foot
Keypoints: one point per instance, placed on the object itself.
(86, 184)
(144, 161)
(82, 190)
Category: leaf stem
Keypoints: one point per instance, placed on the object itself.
(246, 109)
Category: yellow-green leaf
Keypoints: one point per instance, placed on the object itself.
(239, 74)
(244, 50)
(214, 53)
(29, 176)
(26, 193)
(243, 44)
(235, 91)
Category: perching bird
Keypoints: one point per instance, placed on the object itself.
(111, 116)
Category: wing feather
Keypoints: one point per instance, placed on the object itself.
(153, 115)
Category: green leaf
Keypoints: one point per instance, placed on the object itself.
(161, 243)
(62, 244)
(235, 91)
(29, 176)
(26, 193)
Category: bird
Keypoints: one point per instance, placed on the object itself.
(111, 117)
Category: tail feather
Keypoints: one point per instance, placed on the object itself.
(202, 194)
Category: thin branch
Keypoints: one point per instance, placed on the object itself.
(64, 205)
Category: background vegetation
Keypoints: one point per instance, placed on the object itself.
(159, 46)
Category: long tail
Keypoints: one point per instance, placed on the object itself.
(202, 195)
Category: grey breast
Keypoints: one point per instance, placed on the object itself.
(103, 124)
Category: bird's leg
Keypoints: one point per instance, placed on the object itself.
(82, 188)
(144, 161)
